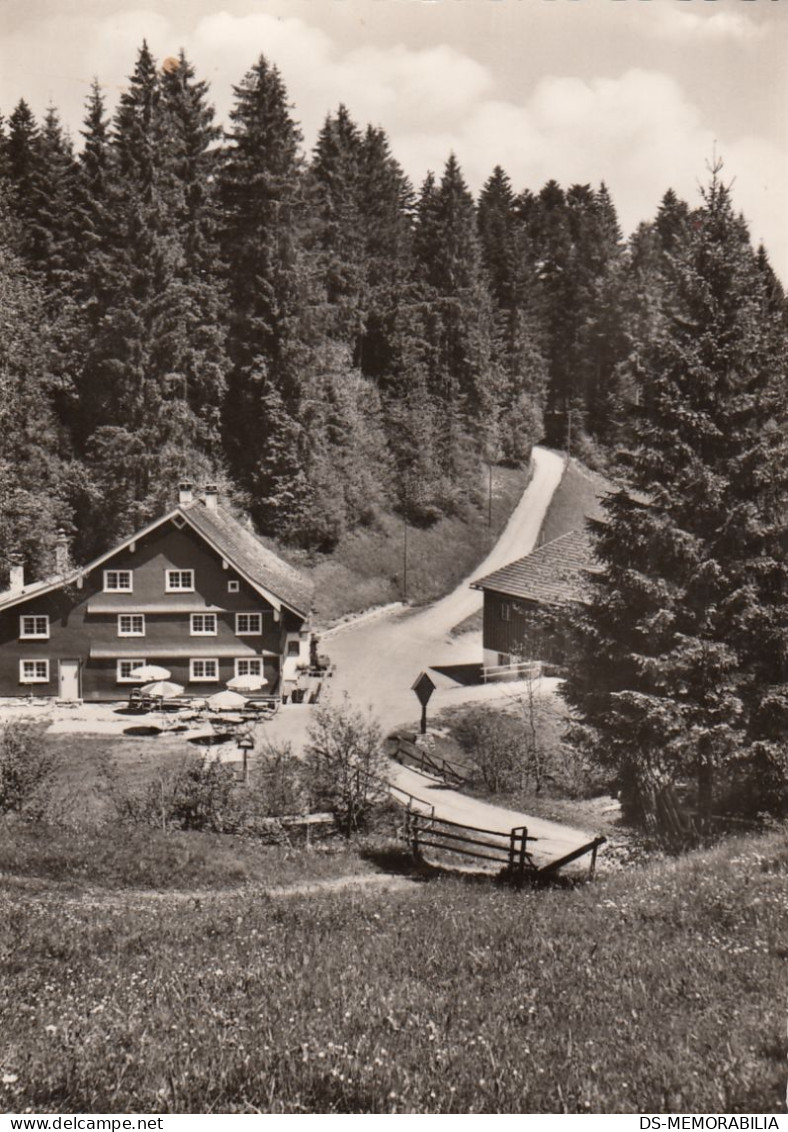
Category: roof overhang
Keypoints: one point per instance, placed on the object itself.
(177, 512)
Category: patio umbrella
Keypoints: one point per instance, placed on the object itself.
(151, 672)
(225, 701)
(163, 688)
(247, 683)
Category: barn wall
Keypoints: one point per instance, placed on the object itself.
(517, 629)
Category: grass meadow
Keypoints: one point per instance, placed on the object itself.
(660, 989)
(576, 497)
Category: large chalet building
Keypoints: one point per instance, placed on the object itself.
(196, 592)
(527, 603)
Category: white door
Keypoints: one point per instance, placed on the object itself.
(69, 679)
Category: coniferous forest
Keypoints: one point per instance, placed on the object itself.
(325, 340)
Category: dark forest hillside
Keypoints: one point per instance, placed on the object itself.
(328, 342)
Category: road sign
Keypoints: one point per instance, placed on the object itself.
(423, 687)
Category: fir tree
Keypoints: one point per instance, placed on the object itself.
(682, 670)
(260, 185)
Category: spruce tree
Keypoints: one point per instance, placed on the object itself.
(508, 260)
(37, 476)
(260, 187)
(152, 382)
(681, 679)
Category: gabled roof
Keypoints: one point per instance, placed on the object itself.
(553, 574)
(249, 557)
(277, 581)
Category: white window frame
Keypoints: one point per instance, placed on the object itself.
(193, 679)
(233, 586)
(130, 632)
(506, 611)
(118, 589)
(171, 588)
(135, 662)
(245, 661)
(35, 661)
(35, 635)
(203, 632)
(249, 632)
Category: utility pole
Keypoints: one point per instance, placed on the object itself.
(489, 494)
(405, 562)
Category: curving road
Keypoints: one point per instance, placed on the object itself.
(377, 661)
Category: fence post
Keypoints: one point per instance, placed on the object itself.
(511, 850)
(523, 836)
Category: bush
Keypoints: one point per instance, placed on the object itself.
(494, 744)
(344, 766)
(26, 768)
(277, 787)
(194, 793)
(523, 748)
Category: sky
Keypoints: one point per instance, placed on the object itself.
(640, 94)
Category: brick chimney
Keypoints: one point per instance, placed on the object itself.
(61, 552)
(211, 496)
(185, 492)
(16, 577)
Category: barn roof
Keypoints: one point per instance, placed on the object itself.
(553, 574)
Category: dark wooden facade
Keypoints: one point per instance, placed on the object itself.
(531, 603)
(516, 629)
(85, 644)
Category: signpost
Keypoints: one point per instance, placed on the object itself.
(245, 744)
(423, 687)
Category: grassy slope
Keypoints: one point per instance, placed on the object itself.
(576, 497)
(654, 991)
(367, 566)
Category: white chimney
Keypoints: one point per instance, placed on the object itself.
(16, 578)
(211, 496)
(185, 492)
(61, 552)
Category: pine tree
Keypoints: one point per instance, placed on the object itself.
(152, 382)
(385, 215)
(458, 316)
(682, 673)
(334, 176)
(260, 186)
(508, 260)
(37, 477)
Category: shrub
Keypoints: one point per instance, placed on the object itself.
(277, 788)
(26, 768)
(194, 793)
(344, 765)
(494, 744)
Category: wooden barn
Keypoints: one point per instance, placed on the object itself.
(528, 602)
(195, 592)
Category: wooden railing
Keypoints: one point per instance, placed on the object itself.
(411, 754)
(531, 668)
(508, 850)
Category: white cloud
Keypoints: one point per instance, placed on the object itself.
(637, 130)
(678, 22)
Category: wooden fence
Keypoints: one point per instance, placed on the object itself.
(409, 753)
(507, 850)
(519, 668)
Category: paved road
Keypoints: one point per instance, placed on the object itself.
(377, 661)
